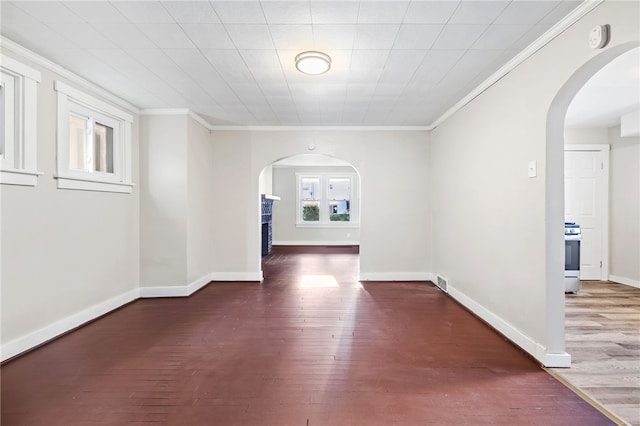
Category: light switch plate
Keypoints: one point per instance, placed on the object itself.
(532, 169)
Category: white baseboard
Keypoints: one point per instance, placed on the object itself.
(49, 332)
(237, 276)
(188, 290)
(512, 333)
(625, 281)
(562, 360)
(316, 243)
(176, 291)
(38, 337)
(395, 276)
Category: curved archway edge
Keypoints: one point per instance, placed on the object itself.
(554, 200)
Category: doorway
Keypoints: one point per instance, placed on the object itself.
(554, 199)
(317, 203)
(586, 198)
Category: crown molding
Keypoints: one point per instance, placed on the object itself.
(14, 47)
(584, 8)
(538, 44)
(209, 126)
(322, 128)
(178, 111)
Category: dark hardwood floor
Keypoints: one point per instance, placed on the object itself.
(308, 346)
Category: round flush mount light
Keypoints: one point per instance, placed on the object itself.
(313, 63)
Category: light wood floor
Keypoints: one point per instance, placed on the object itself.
(603, 338)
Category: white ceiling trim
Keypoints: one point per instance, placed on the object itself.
(178, 111)
(543, 40)
(63, 72)
(209, 126)
(322, 128)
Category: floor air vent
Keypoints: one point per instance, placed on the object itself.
(441, 282)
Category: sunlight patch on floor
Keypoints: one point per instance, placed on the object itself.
(318, 281)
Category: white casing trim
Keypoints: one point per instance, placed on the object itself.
(51, 331)
(316, 243)
(395, 276)
(63, 72)
(91, 101)
(91, 185)
(19, 165)
(625, 281)
(19, 177)
(525, 342)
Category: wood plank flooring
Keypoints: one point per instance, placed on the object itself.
(309, 346)
(603, 337)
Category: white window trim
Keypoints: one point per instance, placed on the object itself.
(70, 100)
(324, 202)
(20, 166)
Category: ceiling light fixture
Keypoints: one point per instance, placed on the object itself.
(313, 63)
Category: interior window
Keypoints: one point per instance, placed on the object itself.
(339, 199)
(310, 197)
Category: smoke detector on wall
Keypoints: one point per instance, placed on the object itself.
(599, 36)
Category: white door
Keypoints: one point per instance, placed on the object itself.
(583, 183)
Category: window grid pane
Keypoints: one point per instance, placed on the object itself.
(310, 189)
(78, 143)
(310, 196)
(310, 211)
(339, 199)
(103, 148)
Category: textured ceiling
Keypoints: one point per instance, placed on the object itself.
(399, 63)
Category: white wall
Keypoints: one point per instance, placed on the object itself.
(266, 180)
(285, 230)
(490, 221)
(624, 208)
(163, 200)
(586, 136)
(390, 163)
(201, 203)
(66, 254)
(177, 205)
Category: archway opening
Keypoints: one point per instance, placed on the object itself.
(555, 200)
(317, 202)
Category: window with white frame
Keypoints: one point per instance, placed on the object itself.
(327, 200)
(94, 143)
(18, 121)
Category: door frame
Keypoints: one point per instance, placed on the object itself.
(603, 149)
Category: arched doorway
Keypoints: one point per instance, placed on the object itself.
(554, 198)
(318, 201)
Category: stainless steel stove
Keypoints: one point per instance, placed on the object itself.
(572, 237)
